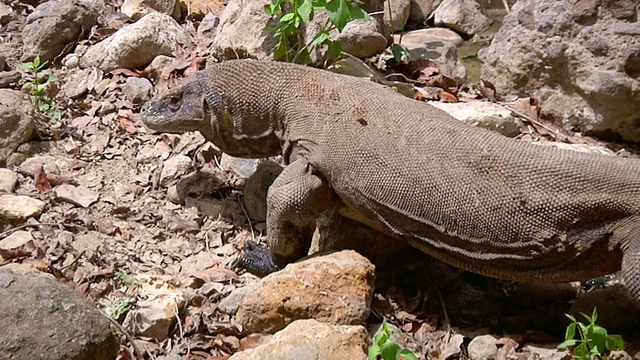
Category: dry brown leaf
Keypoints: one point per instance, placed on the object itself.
(40, 180)
(448, 97)
(128, 125)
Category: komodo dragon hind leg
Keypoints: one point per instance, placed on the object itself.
(631, 261)
(294, 201)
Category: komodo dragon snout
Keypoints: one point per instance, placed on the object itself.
(466, 196)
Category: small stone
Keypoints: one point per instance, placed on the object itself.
(173, 168)
(631, 58)
(463, 16)
(137, 90)
(18, 244)
(20, 207)
(584, 11)
(399, 15)
(9, 77)
(8, 180)
(311, 339)
(229, 305)
(483, 347)
(208, 25)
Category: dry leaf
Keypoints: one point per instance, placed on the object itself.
(40, 180)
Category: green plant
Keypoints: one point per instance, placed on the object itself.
(385, 348)
(293, 13)
(118, 307)
(593, 340)
(39, 88)
(126, 279)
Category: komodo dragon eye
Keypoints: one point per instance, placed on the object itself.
(173, 101)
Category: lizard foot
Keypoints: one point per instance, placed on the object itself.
(256, 259)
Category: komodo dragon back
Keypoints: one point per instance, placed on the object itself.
(467, 196)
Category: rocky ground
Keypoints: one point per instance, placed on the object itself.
(146, 226)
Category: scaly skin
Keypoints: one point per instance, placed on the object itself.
(466, 196)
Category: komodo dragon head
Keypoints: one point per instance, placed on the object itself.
(200, 104)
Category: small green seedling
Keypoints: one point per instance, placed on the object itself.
(593, 340)
(126, 279)
(39, 89)
(385, 348)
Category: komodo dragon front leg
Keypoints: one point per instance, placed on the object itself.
(294, 201)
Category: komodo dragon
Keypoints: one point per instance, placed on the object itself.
(464, 195)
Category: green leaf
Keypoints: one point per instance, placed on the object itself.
(26, 66)
(571, 317)
(304, 10)
(321, 37)
(286, 18)
(581, 352)
(406, 354)
(52, 78)
(304, 57)
(36, 63)
(374, 351)
(339, 13)
(571, 331)
(334, 49)
(390, 350)
(568, 343)
(614, 342)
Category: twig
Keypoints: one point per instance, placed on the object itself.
(24, 226)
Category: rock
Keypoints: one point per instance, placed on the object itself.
(77, 195)
(417, 38)
(174, 167)
(54, 24)
(484, 114)
(208, 26)
(243, 32)
(617, 311)
(136, 45)
(19, 207)
(136, 9)
(336, 232)
(6, 14)
(231, 303)
(256, 187)
(16, 121)
(420, 11)
(463, 16)
(9, 77)
(335, 288)
(443, 53)
(241, 167)
(50, 164)
(631, 58)
(8, 180)
(137, 90)
(310, 340)
(18, 244)
(45, 319)
(362, 38)
(204, 7)
(161, 300)
(397, 18)
(578, 72)
(483, 347)
(545, 352)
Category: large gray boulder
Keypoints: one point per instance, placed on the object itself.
(579, 58)
(45, 319)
